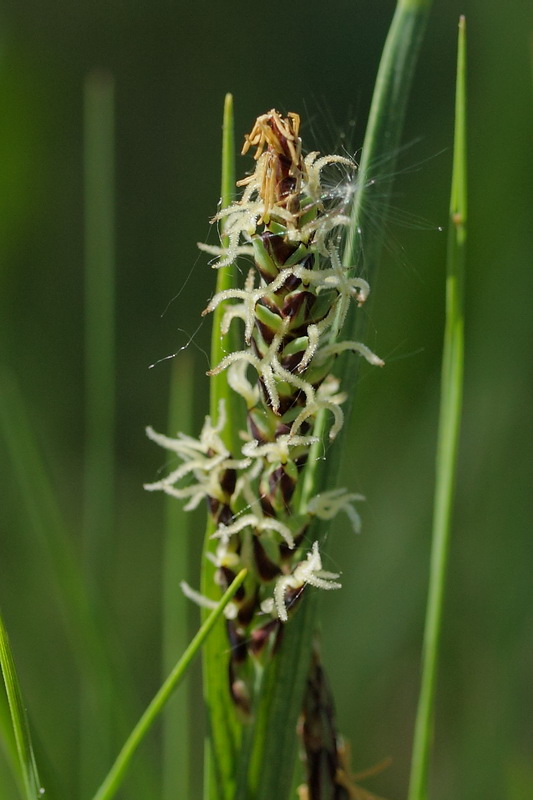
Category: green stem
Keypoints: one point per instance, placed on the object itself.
(115, 777)
(448, 437)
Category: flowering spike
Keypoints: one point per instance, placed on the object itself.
(296, 293)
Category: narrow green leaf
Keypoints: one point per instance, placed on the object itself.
(224, 737)
(28, 766)
(7, 740)
(273, 754)
(448, 436)
(116, 775)
(226, 279)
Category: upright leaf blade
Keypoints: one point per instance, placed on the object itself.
(221, 345)
(448, 436)
(115, 777)
(7, 740)
(28, 766)
(224, 736)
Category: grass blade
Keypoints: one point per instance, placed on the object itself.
(448, 437)
(116, 775)
(224, 729)
(273, 756)
(7, 741)
(220, 345)
(28, 766)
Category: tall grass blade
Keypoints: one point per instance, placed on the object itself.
(272, 759)
(448, 436)
(176, 720)
(116, 775)
(28, 766)
(7, 741)
(221, 345)
(224, 736)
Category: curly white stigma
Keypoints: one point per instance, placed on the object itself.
(306, 572)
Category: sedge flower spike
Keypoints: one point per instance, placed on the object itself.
(297, 292)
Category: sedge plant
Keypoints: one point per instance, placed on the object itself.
(285, 345)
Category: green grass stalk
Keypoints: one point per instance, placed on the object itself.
(220, 345)
(116, 775)
(8, 744)
(28, 766)
(224, 736)
(448, 437)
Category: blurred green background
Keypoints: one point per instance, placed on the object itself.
(171, 64)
